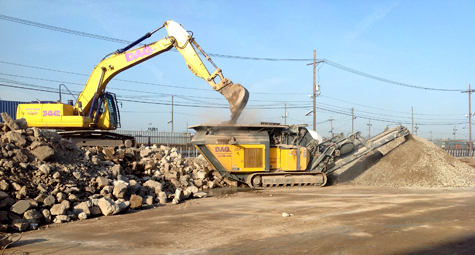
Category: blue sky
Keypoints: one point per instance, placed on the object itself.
(421, 43)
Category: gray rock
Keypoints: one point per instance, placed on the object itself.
(43, 153)
(148, 200)
(16, 186)
(123, 205)
(77, 175)
(9, 122)
(73, 198)
(22, 192)
(56, 176)
(108, 207)
(49, 200)
(155, 186)
(21, 123)
(123, 178)
(45, 169)
(3, 195)
(82, 216)
(95, 210)
(33, 216)
(200, 194)
(4, 185)
(66, 204)
(60, 197)
(82, 208)
(20, 226)
(116, 170)
(102, 182)
(14, 138)
(136, 201)
(7, 202)
(41, 198)
(58, 209)
(120, 190)
(42, 188)
(46, 215)
(20, 207)
(61, 218)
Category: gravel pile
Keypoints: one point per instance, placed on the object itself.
(45, 179)
(418, 163)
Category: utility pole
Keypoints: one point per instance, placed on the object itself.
(469, 117)
(431, 136)
(331, 125)
(352, 119)
(172, 113)
(369, 129)
(412, 111)
(315, 87)
(416, 129)
(285, 114)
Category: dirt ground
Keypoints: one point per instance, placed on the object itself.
(329, 220)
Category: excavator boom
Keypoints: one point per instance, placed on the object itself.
(96, 109)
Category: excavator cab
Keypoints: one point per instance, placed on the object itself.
(107, 116)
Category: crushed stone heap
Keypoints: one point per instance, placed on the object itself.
(418, 163)
(44, 178)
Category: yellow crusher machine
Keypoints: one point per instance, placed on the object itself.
(272, 155)
(96, 110)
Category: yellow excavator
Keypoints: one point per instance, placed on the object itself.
(96, 110)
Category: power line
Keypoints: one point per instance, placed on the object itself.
(331, 63)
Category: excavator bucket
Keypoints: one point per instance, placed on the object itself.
(237, 97)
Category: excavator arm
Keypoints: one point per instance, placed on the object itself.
(123, 59)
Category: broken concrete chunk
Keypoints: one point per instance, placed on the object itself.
(61, 218)
(46, 215)
(33, 216)
(95, 210)
(49, 200)
(9, 122)
(45, 169)
(136, 201)
(148, 200)
(108, 207)
(20, 207)
(43, 153)
(14, 138)
(120, 190)
(82, 216)
(80, 208)
(3, 195)
(58, 209)
(20, 226)
(4, 185)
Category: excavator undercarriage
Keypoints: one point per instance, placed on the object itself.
(274, 155)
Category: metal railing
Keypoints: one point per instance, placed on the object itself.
(181, 141)
(460, 152)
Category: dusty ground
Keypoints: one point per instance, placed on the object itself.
(329, 220)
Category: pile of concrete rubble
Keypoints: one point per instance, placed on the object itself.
(44, 178)
(418, 163)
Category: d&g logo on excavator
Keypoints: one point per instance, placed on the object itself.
(139, 53)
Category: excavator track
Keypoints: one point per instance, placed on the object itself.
(286, 179)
